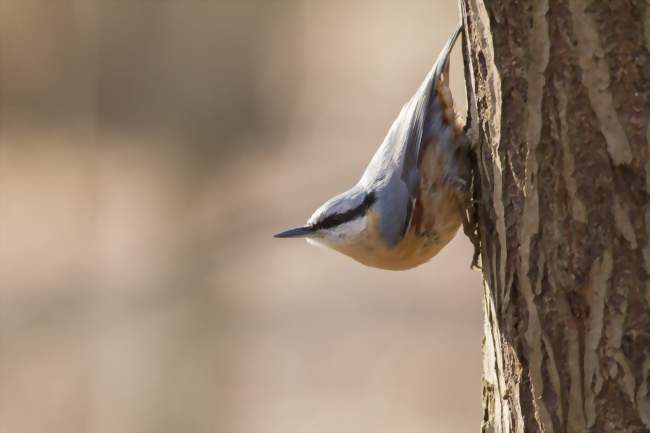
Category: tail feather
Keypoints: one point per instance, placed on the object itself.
(442, 63)
(440, 112)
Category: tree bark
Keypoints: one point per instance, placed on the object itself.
(559, 103)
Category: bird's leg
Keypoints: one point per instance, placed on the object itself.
(470, 228)
(469, 216)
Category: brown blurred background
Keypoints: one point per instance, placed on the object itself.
(148, 151)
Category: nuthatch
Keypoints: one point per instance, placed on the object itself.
(411, 199)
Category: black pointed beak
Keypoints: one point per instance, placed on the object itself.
(299, 232)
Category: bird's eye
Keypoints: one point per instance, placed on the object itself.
(343, 217)
(332, 221)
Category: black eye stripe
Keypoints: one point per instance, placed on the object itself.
(340, 218)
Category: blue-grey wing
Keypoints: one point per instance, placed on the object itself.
(393, 171)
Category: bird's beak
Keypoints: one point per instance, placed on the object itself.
(299, 232)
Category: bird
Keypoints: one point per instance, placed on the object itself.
(413, 196)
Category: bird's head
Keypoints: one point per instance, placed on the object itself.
(339, 222)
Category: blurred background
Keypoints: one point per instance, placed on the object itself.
(148, 151)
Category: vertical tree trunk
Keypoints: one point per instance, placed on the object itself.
(559, 110)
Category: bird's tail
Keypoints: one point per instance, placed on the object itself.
(442, 63)
(439, 110)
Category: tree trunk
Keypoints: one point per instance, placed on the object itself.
(559, 106)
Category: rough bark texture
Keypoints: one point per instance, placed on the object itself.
(559, 109)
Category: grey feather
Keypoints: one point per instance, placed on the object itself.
(393, 204)
(393, 170)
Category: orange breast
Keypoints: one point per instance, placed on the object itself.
(416, 247)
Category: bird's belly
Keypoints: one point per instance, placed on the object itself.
(414, 249)
(417, 246)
